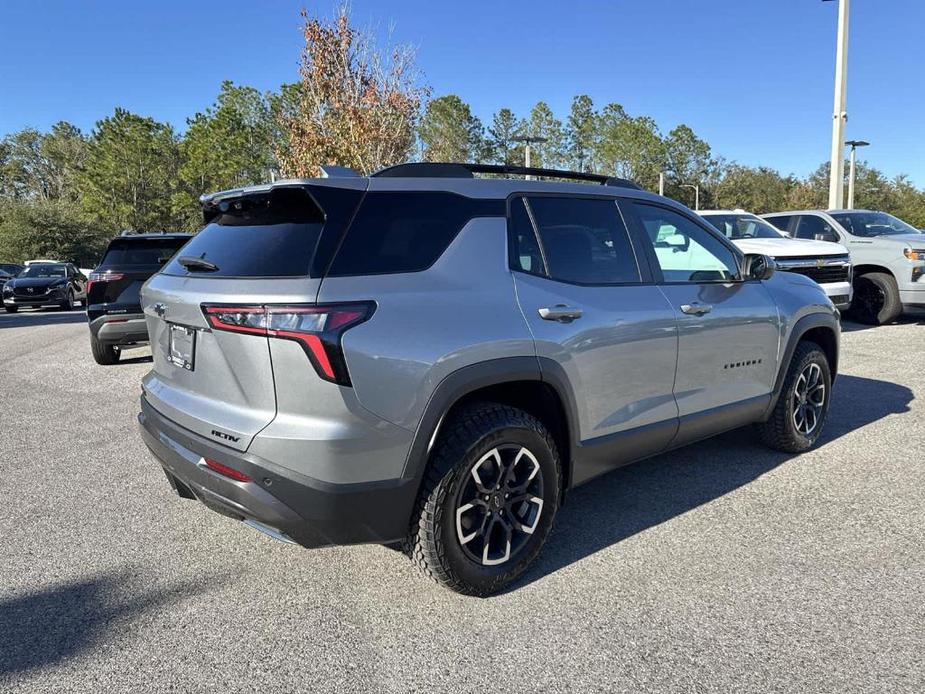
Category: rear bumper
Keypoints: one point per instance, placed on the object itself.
(308, 512)
(120, 329)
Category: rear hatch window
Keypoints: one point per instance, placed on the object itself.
(141, 252)
(270, 234)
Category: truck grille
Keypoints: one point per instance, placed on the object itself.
(823, 270)
(822, 275)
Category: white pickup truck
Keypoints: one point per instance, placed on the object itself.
(888, 257)
(829, 264)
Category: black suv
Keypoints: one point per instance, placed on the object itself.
(113, 304)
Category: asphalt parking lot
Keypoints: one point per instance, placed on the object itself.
(720, 567)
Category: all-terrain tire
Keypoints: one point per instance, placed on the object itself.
(11, 309)
(433, 543)
(103, 354)
(781, 431)
(884, 306)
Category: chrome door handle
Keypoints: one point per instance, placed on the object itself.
(696, 309)
(560, 312)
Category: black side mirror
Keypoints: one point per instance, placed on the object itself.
(759, 267)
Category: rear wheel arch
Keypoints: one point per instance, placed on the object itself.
(513, 381)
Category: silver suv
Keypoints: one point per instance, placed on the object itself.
(429, 359)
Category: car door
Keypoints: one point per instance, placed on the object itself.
(728, 328)
(598, 323)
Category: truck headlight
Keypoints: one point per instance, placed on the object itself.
(914, 253)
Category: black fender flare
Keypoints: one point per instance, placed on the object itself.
(800, 328)
(460, 383)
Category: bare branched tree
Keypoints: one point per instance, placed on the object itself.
(353, 106)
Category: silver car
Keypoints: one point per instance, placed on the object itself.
(430, 359)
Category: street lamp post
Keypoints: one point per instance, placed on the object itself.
(840, 115)
(696, 194)
(854, 144)
(529, 140)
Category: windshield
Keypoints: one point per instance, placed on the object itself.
(44, 271)
(743, 226)
(871, 224)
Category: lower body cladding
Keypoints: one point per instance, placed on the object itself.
(120, 329)
(279, 502)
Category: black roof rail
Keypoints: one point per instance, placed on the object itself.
(426, 169)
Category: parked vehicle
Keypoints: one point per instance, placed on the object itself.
(888, 257)
(426, 358)
(4, 276)
(113, 302)
(83, 270)
(12, 269)
(45, 284)
(829, 264)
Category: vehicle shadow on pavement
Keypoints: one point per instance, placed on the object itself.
(634, 498)
(849, 326)
(52, 316)
(44, 628)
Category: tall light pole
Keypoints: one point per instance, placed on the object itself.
(840, 115)
(696, 194)
(529, 140)
(854, 144)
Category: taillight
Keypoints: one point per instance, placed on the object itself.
(226, 471)
(102, 277)
(317, 328)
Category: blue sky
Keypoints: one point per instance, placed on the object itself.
(753, 77)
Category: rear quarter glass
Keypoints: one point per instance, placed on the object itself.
(395, 232)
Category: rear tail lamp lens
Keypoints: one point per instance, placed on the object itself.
(226, 471)
(102, 277)
(318, 329)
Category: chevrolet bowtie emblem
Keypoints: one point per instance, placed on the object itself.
(160, 309)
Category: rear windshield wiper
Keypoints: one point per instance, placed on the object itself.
(194, 264)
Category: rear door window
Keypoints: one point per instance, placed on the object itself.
(583, 241)
(808, 225)
(781, 222)
(397, 232)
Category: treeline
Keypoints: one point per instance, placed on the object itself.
(64, 193)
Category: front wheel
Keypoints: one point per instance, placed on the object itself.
(876, 299)
(68, 303)
(803, 404)
(488, 501)
(11, 309)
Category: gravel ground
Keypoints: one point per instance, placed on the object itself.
(719, 567)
